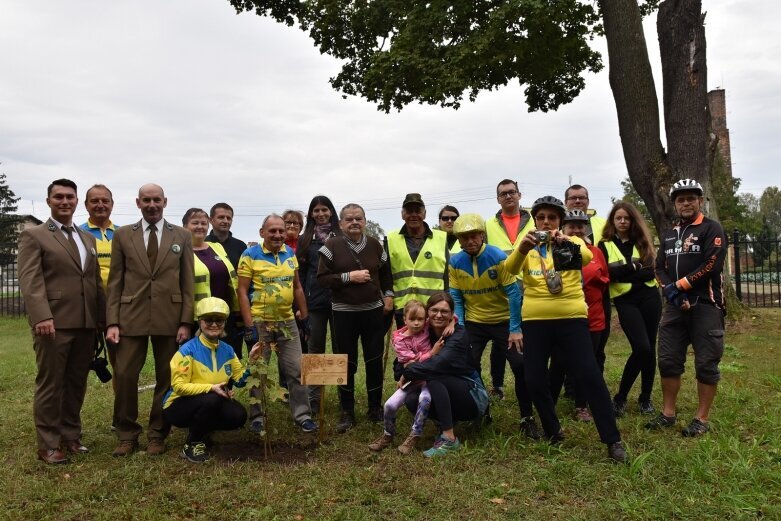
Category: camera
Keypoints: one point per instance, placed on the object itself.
(541, 236)
(100, 366)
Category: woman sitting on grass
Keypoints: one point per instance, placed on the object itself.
(202, 374)
(457, 392)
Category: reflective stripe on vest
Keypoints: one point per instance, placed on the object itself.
(422, 278)
(616, 258)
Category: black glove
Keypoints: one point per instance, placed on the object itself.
(251, 335)
(304, 328)
(671, 293)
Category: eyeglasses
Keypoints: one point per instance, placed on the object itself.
(448, 218)
(443, 312)
(577, 198)
(290, 224)
(508, 193)
(214, 321)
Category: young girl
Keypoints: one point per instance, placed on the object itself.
(412, 344)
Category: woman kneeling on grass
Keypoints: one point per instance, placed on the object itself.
(202, 374)
(457, 392)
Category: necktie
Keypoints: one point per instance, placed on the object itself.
(69, 232)
(151, 246)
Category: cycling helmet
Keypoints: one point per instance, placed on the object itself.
(686, 185)
(575, 216)
(213, 307)
(468, 223)
(550, 201)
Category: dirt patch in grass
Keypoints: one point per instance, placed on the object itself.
(281, 453)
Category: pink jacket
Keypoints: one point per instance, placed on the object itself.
(415, 348)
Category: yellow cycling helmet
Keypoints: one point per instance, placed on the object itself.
(468, 223)
(212, 306)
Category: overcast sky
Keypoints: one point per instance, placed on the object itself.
(219, 107)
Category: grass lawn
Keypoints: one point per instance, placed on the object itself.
(732, 473)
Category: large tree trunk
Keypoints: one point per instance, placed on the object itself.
(632, 83)
(690, 143)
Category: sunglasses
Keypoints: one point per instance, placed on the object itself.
(448, 218)
(214, 321)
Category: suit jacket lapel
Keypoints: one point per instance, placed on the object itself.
(138, 244)
(166, 241)
(59, 236)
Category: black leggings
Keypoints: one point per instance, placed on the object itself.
(639, 312)
(559, 376)
(450, 401)
(204, 413)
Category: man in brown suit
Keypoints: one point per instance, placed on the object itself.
(60, 281)
(150, 297)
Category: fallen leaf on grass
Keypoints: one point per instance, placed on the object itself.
(497, 501)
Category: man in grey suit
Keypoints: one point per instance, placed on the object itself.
(60, 281)
(150, 297)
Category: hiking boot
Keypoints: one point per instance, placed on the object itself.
(617, 452)
(346, 422)
(380, 443)
(308, 426)
(646, 407)
(529, 428)
(661, 421)
(497, 393)
(619, 406)
(695, 428)
(257, 425)
(582, 414)
(155, 447)
(375, 414)
(442, 446)
(125, 448)
(195, 452)
(409, 444)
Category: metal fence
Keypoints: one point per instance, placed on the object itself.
(755, 266)
(11, 303)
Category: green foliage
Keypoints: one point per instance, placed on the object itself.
(730, 207)
(630, 195)
(400, 51)
(9, 232)
(374, 229)
(770, 209)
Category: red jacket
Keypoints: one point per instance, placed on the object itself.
(595, 282)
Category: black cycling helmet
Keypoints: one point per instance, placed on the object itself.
(576, 215)
(686, 185)
(551, 202)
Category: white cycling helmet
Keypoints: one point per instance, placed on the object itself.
(686, 185)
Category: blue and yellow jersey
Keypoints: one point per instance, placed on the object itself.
(538, 302)
(102, 246)
(482, 283)
(199, 364)
(271, 277)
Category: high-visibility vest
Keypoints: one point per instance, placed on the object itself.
(455, 248)
(422, 278)
(202, 289)
(496, 234)
(616, 258)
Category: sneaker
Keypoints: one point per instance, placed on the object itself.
(617, 452)
(497, 392)
(346, 422)
(646, 407)
(619, 406)
(582, 414)
(409, 444)
(556, 438)
(529, 428)
(195, 452)
(375, 414)
(308, 426)
(380, 443)
(257, 425)
(695, 428)
(660, 421)
(442, 446)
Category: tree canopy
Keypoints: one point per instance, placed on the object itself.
(9, 233)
